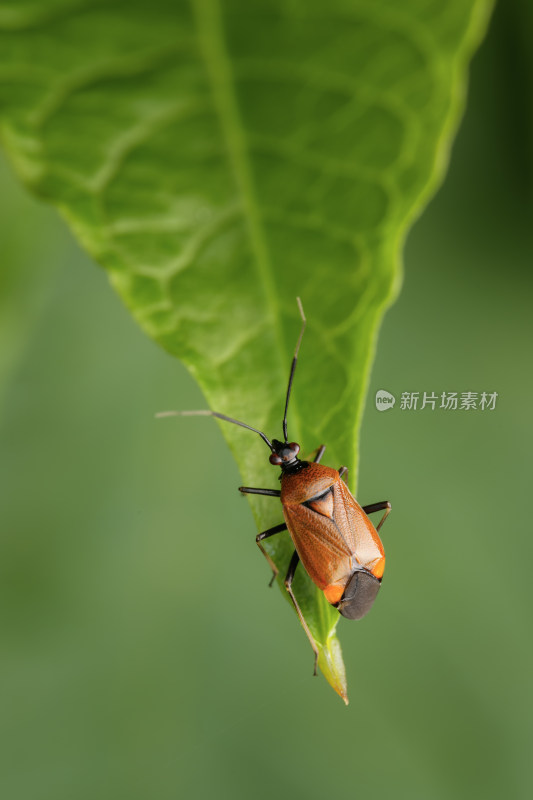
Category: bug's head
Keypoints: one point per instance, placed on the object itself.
(284, 454)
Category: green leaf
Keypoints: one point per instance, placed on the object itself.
(219, 159)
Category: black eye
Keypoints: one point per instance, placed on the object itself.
(275, 459)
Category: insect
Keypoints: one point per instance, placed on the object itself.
(335, 540)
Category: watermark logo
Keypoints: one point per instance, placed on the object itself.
(442, 401)
(384, 400)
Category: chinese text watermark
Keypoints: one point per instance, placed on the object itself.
(447, 401)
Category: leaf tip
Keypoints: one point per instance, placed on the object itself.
(331, 665)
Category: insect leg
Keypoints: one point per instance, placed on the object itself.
(259, 538)
(251, 490)
(383, 506)
(288, 585)
(320, 452)
(343, 471)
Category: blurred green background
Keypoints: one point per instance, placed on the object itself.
(143, 655)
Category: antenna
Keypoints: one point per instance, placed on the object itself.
(206, 413)
(293, 365)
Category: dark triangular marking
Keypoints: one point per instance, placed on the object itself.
(323, 505)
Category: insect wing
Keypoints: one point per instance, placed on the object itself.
(358, 532)
(333, 537)
(323, 550)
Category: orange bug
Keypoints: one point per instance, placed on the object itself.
(333, 537)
